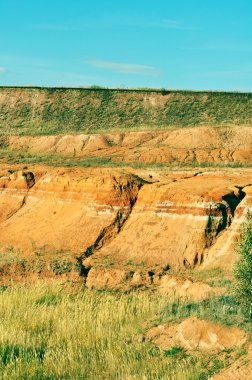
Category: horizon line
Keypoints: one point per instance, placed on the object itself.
(136, 89)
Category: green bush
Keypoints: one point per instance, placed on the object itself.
(243, 268)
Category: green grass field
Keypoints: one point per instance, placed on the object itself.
(51, 331)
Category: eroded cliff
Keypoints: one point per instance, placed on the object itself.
(112, 187)
(108, 219)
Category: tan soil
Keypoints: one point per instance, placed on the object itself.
(181, 145)
(194, 334)
(115, 220)
(176, 221)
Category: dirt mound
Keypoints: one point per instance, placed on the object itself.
(194, 334)
(183, 288)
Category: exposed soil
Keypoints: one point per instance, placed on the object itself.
(194, 334)
(129, 231)
(187, 146)
(241, 369)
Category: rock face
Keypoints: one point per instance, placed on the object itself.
(63, 210)
(174, 221)
(224, 247)
(194, 334)
(153, 216)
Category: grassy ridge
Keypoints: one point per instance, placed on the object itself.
(36, 111)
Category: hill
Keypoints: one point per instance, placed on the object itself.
(43, 111)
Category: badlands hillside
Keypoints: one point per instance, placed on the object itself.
(122, 191)
(158, 177)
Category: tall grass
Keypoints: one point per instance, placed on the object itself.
(53, 332)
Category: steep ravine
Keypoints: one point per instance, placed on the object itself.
(222, 253)
(112, 230)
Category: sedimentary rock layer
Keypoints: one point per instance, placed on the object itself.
(173, 220)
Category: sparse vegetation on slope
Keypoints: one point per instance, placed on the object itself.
(42, 111)
(16, 157)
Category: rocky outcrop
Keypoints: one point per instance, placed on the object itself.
(64, 210)
(171, 222)
(217, 254)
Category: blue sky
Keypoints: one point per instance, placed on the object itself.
(183, 44)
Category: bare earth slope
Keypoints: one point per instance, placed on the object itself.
(181, 145)
(176, 220)
(136, 209)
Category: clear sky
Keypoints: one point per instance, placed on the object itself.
(183, 44)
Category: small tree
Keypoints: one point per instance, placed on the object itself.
(243, 268)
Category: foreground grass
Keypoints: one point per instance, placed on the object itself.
(50, 333)
(53, 332)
